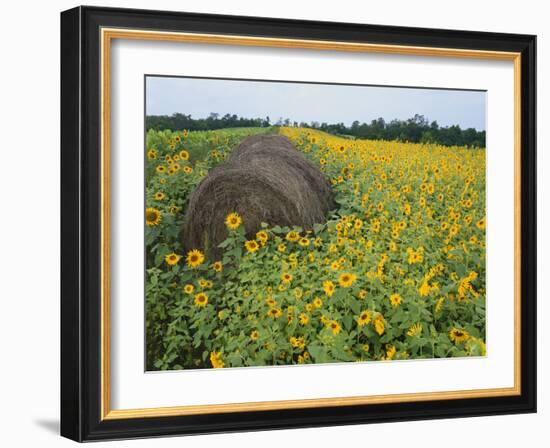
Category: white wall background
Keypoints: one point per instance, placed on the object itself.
(29, 237)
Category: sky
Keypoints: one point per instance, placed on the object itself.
(312, 102)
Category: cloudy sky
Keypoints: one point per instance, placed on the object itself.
(312, 102)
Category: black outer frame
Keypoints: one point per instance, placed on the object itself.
(80, 223)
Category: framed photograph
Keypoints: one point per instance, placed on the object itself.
(273, 223)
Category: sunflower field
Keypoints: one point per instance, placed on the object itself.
(397, 272)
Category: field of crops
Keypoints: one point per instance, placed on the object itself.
(397, 272)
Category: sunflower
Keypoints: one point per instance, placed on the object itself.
(297, 342)
(216, 360)
(233, 221)
(184, 155)
(390, 351)
(281, 247)
(364, 318)
(334, 326)
(458, 336)
(161, 169)
(172, 259)
(379, 325)
(481, 224)
(217, 266)
(188, 289)
(292, 236)
(153, 217)
(275, 313)
(187, 169)
(173, 210)
(317, 302)
(159, 196)
(328, 287)
(261, 236)
(270, 302)
(303, 242)
(251, 246)
(152, 154)
(201, 299)
(414, 330)
(395, 300)
(346, 279)
(254, 335)
(194, 258)
(286, 277)
(303, 318)
(362, 294)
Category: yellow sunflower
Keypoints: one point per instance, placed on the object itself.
(261, 236)
(286, 277)
(159, 196)
(303, 242)
(194, 258)
(233, 221)
(379, 325)
(216, 360)
(275, 313)
(346, 279)
(201, 299)
(458, 335)
(334, 326)
(153, 217)
(292, 236)
(395, 300)
(254, 335)
(414, 330)
(251, 246)
(328, 287)
(188, 289)
(172, 259)
(217, 266)
(390, 351)
(364, 318)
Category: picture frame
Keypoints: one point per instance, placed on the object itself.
(87, 34)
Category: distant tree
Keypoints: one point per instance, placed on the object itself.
(416, 129)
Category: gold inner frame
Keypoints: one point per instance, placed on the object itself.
(107, 35)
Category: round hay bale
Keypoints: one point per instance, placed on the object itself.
(262, 150)
(266, 181)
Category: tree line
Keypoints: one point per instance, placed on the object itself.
(417, 129)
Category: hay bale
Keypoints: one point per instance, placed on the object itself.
(265, 180)
(264, 150)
